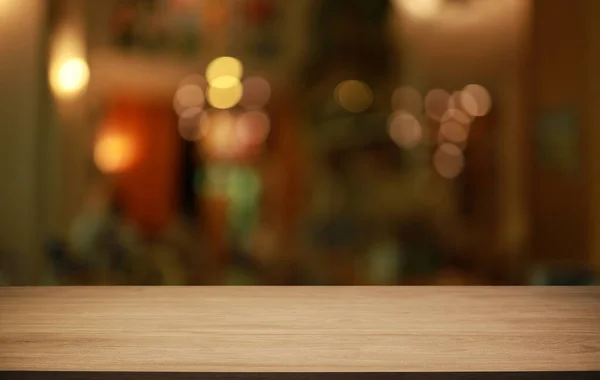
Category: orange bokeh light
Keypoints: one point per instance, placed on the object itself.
(114, 152)
(405, 130)
(454, 132)
(188, 96)
(476, 100)
(421, 8)
(436, 103)
(448, 160)
(252, 128)
(219, 141)
(457, 115)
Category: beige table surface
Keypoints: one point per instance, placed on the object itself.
(299, 329)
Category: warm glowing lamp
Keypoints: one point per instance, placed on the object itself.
(70, 77)
(113, 153)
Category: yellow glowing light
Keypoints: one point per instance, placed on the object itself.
(113, 153)
(6, 6)
(421, 8)
(476, 100)
(70, 77)
(225, 97)
(224, 67)
(188, 96)
(355, 96)
(436, 103)
(405, 130)
(448, 160)
(257, 92)
(225, 82)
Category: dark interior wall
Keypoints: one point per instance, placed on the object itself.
(21, 78)
(558, 74)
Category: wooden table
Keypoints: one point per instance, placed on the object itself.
(300, 329)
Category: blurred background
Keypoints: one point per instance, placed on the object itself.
(299, 142)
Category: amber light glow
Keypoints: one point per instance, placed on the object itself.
(70, 77)
(114, 152)
(420, 8)
(353, 95)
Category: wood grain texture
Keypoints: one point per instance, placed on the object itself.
(300, 329)
(60, 375)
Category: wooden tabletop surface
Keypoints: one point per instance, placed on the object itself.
(300, 329)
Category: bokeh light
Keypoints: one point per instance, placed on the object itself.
(454, 132)
(476, 100)
(407, 98)
(405, 130)
(420, 8)
(70, 77)
(225, 82)
(225, 97)
(194, 79)
(191, 124)
(252, 128)
(457, 115)
(436, 103)
(455, 101)
(353, 95)
(257, 92)
(188, 96)
(220, 141)
(224, 67)
(113, 152)
(448, 160)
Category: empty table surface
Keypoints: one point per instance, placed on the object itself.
(300, 329)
